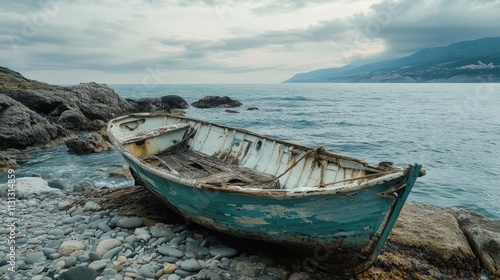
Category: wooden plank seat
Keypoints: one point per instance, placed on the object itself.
(211, 170)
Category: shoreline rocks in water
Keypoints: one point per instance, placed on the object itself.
(216, 101)
(111, 234)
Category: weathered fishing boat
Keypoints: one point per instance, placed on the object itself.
(336, 210)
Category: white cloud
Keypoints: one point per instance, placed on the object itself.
(64, 41)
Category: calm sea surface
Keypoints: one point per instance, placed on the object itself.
(452, 129)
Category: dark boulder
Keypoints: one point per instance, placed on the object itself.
(149, 105)
(98, 101)
(174, 101)
(74, 107)
(93, 143)
(216, 101)
(159, 104)
(79, 273)
(72, 119)
(21, 127)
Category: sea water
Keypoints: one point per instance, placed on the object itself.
(451, 129)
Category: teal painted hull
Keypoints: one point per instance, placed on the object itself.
(342, 233)
(336, 210)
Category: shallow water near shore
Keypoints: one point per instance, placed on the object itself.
(452, 129)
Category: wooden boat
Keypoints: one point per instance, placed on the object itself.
(336, 210)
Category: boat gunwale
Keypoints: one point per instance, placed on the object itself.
(296, 145)
(386, 173)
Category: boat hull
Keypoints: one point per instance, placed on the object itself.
(335, 210)
(341, 233)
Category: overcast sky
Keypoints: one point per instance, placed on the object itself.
(224, 41)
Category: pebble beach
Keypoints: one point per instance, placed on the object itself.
(58, 238)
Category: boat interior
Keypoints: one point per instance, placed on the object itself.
(218, 155)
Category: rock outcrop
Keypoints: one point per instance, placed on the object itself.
(28, 187)
(93, 143)
(74, 107)
(21, 127)
(427, 243)
(35, 113)
(159, 104)
(216, 101)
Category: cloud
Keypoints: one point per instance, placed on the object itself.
(428, 23)
(231, 36)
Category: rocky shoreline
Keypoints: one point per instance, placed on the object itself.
(33, 113)
(128, 234)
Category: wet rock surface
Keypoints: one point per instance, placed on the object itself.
(93, 143)
(128, 234)
(216, 101)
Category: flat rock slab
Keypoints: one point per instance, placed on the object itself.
(27, 187)
(484, 236)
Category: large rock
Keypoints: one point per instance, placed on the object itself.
(484, 236)
(434, 237)
(34, 113)
(27, 187)
(93, 143)
(150, 105)
(216, 101)
(21, 127)
(159, 104)
(174, 101)
(72, 119)
(6, 163)
(433, 229)
(88, 101)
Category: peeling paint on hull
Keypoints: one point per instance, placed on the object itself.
(340, 229)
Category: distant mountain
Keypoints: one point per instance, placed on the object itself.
(467, 61)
